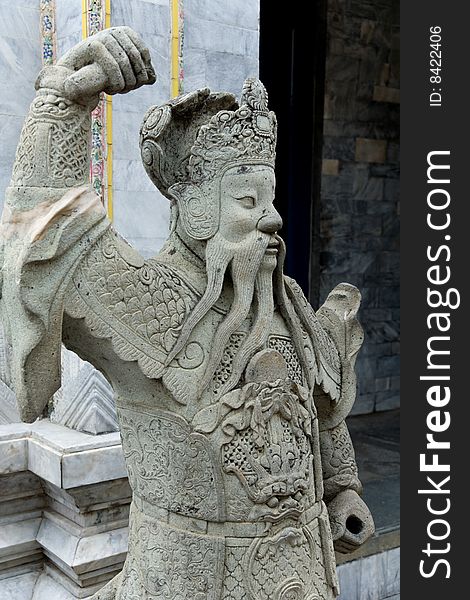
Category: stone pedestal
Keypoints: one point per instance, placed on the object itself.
(64, 506)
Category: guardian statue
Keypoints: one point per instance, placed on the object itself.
(231, 391)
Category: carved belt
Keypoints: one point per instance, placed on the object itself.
(238, 529)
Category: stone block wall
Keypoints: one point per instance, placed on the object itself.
(360, 186)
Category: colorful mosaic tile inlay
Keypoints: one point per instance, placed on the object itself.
(95, 22)
(48, 32)
(180, 46)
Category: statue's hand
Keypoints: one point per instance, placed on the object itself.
(114, 61)
(350, 520)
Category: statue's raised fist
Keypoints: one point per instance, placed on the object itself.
(114, 61)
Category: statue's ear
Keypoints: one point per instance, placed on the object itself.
(198, 209)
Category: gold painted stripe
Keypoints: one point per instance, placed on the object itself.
(175, 45)
(84, 19)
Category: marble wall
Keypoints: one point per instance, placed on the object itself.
(20, 62)
(141, 213)
(221, 43)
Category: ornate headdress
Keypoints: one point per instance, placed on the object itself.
(196, 136)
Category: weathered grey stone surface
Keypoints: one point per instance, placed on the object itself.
(231, 392)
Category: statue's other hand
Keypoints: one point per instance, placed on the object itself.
(114, 61)
(350, 520)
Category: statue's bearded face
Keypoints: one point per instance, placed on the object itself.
(245, 247)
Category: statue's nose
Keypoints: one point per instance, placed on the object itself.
(270, 222)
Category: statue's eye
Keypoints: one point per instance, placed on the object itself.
(247, 201)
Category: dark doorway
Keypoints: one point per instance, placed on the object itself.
(292, 59)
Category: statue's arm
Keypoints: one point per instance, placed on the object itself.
(350, 519)
(53, 152)
(51, 217)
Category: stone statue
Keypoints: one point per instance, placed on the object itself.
(231, 391)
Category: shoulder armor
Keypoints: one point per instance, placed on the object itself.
(326, 353)
(140, 305)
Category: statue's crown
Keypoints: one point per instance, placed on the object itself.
(196, 136)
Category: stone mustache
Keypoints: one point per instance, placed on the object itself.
(231, 391)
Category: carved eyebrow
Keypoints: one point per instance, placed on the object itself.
(248, 194)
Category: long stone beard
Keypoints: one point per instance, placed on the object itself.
(252, 278)
(259, 332)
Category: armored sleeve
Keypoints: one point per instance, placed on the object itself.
(338, 318)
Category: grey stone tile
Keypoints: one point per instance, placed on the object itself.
(20, 21)
(368, 225)
(92, 466)
(392, 190)
(371, 189)
(194, 68)
(62, 440)
(334, 127)
(69, 18)
(15, 100)
(364, 404)
(342, 68)
(147, 246)
(238, 13)
(10, 129)
(129, 208)
(341, 148)
(45, 462)
(24, 3)
(227, 72)
(130, 176)
(138, 101)
(158, 44)
(126, 128)
(65, 42)
(375, 577)
(20, 61)
(219, 37)
(390, 171)
(13, 456)
(20, 586)
(387, 400)
(340, 100)
(144, 17)
(47, 587)
(336, 187)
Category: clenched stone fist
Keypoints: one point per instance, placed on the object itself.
(114, 61)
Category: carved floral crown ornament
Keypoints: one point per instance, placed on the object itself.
(192, 140)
